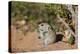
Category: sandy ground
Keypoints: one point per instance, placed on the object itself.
(31, 43)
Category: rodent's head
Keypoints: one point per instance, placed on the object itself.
(43, 26)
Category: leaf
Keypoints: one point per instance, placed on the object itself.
(71, 40)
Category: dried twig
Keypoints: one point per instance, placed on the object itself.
(65, 24)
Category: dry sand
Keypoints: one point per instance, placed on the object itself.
(31, 43)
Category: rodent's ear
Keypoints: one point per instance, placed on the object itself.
(49, 27)
(42, 24)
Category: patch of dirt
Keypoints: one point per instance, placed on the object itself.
(30, 42)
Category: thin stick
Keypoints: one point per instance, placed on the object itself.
(65, 24)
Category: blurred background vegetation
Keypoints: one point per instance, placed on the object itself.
(37, 12)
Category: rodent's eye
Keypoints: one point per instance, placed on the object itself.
(41, 24)
(49, 28)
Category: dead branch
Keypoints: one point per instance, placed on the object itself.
(65, 24)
